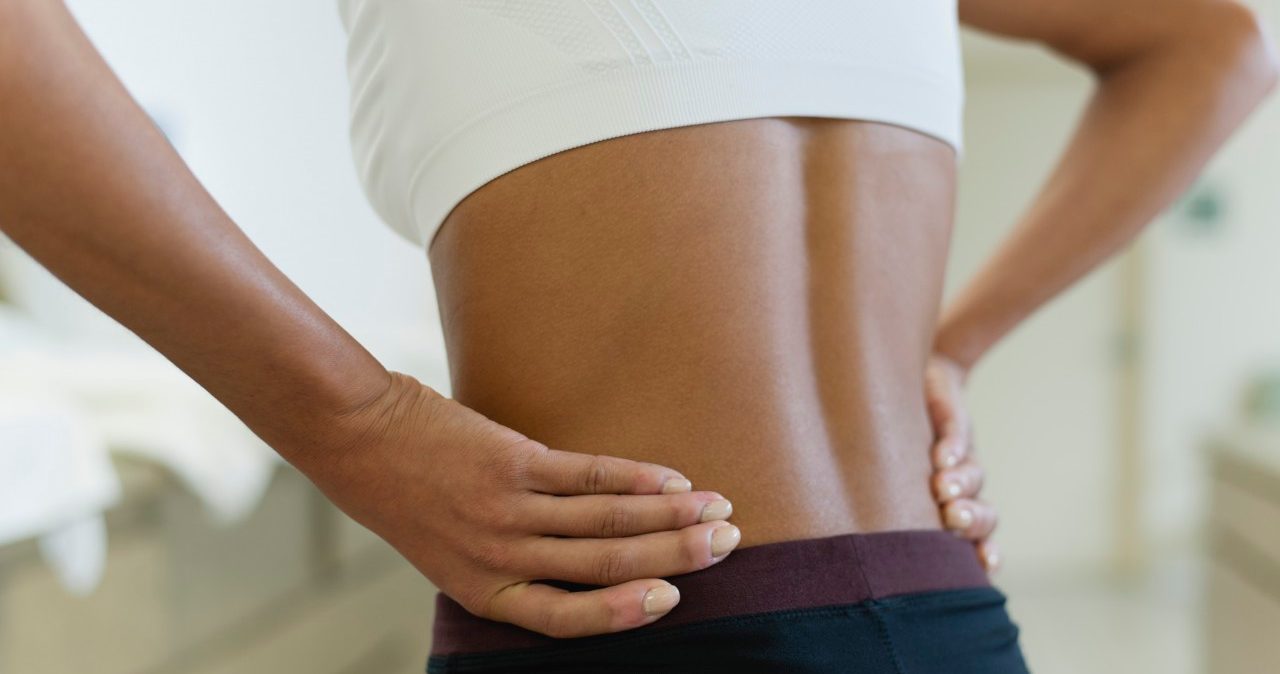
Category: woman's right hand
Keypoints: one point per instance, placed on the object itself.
(482, 511)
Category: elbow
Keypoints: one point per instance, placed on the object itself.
(1226, 38)
(1246, 53)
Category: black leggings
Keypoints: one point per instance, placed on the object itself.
(900, 602)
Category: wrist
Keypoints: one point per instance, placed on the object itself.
(957, 370)
(326, 410)
(957, 355)
(365, 420)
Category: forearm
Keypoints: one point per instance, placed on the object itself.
(1155, 118)
(93, 191)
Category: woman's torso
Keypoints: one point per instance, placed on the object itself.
(656, 232)
(750, 302)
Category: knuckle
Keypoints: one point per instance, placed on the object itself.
(555, 622)
(501, 514)
(491, 555)
(596, 475)
(477, 600)
(614, 566)
(685, 511)
(615, 522)
(507, 468)
(695, 551)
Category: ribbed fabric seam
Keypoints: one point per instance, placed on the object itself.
(594, 7)
(862, 567)
(873, 607)
(886, 639)
(661, 24)
(924, 77)
(622, 16)
(624, 28)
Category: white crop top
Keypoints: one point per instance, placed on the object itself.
(447, 95)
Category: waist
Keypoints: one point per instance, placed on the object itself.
(751, 304)
(794, 463)
(795, 575)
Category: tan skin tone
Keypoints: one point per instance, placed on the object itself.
(766, 332)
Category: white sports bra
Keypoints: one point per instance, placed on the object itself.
(447, 95)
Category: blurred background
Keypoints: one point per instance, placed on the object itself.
(1131, 430)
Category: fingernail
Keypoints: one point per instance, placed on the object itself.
(659, 600)
(675, 485)
(716, 510)
(953, 489)
(950, 459)
(960, 518)
(724, 539)
(993, 561)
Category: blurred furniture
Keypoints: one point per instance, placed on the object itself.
(220, 559)
(1243, 585)
(295, 587)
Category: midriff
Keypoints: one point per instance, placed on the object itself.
(749, 302)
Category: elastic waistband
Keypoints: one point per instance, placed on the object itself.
(809, 573)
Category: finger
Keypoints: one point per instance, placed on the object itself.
(563, 614)
(963, 481)
(954, 440)
(614, 516)
(618, 560)
(970, 519)
(989, 553)
(555, 471)
(941, 391)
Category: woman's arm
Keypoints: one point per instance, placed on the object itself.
(1174, 79)
(92, 190)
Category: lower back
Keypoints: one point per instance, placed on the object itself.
(748, 302)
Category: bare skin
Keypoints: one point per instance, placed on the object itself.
(729, 327)
(752, 302)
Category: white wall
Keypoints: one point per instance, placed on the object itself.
(1212, 318)
(1048, 399)
(1045, 399)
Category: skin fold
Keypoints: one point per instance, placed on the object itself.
(750, 307)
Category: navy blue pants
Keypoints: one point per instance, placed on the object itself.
(901, 602)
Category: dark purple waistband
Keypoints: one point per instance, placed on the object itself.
(844, 569)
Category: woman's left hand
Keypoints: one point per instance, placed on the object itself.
(957, 477)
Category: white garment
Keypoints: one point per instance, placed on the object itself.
(448, 94)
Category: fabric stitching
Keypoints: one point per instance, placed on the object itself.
(658, 19)
(882, 627)
(886, 639)
(608, 15)
(919, 75)
(623, 45)
(632, 30)
(862, 567)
